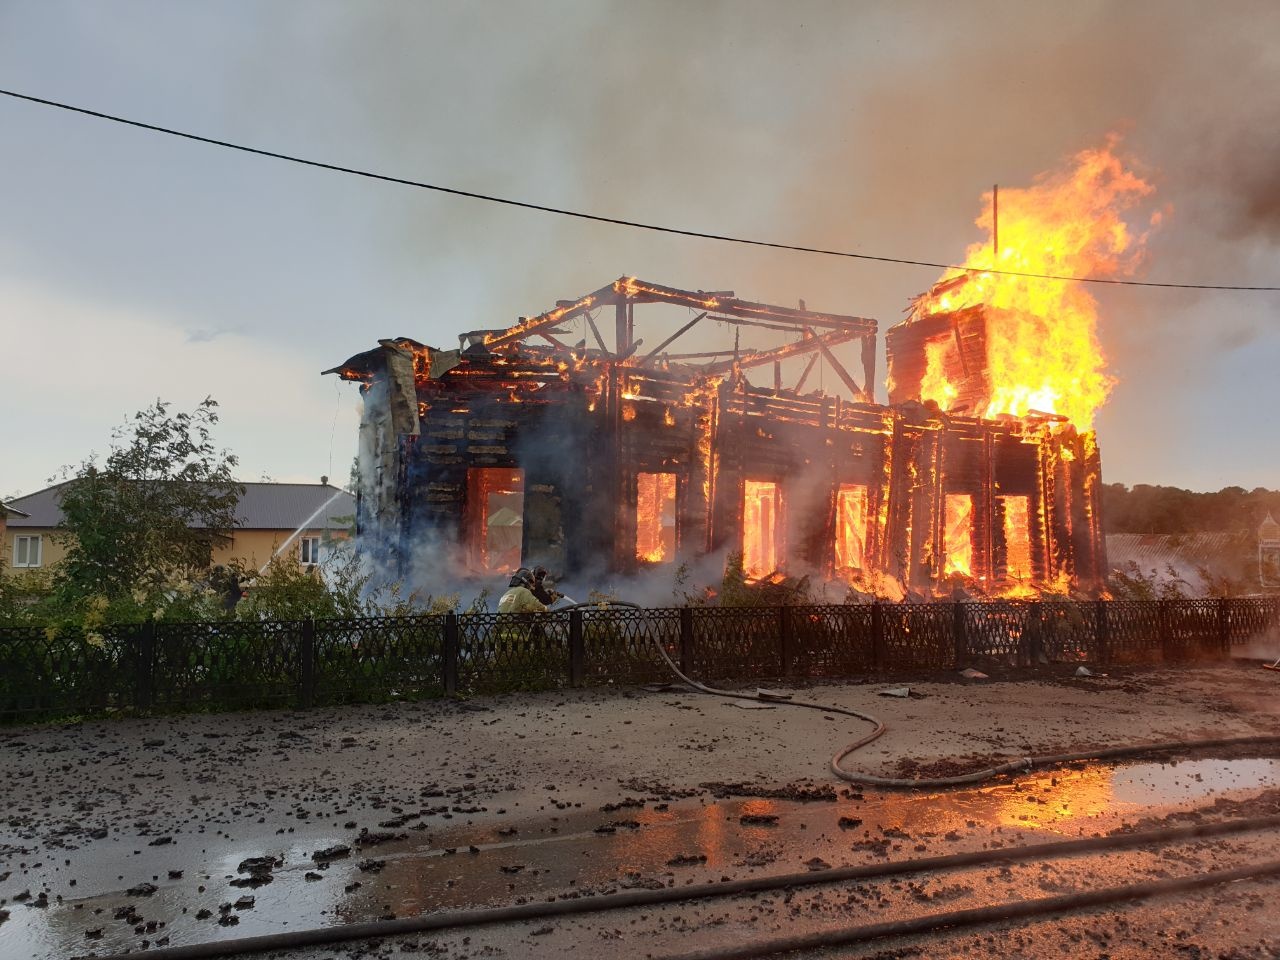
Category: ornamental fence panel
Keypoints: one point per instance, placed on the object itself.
(46, 672)
(618, 644)
(1193, 629)
(1252, 619)
(831, 641)
(996, 630)
(512, 651)
(1065, 631)
(1133, 630)
(919, 636)
(376, 659)
(736, 643)
(223, 664)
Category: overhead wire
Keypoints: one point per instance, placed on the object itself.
(615, 221)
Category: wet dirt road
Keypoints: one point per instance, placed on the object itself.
(228, 819)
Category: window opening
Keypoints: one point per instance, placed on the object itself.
(761, 526)
(495, 518)
(851, 528)
(1017, 537)
(959, 535)
(656, 517)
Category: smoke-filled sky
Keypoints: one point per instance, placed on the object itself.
(135, 266)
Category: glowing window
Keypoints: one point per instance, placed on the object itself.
(761, 527)
(851, 527)
(1017, 537)
(495, 518)
(656, 517)
(958, 530)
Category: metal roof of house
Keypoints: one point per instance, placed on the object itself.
(1229, 554)
(263, 506)
(10, 512)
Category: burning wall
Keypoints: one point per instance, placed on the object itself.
(584, 459)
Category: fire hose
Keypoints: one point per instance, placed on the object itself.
(1020, 765)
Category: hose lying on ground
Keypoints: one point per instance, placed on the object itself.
(527, 912)
(1021, 765)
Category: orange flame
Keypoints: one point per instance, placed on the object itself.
(935, 385)
(761, 528)
(1042, 345)
(851, 529)
(655, 517)
(1017, 537)
(958, 531)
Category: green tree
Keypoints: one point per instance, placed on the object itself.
(155, 506)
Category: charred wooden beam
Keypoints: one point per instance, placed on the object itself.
(545, 335)
(869, 368)
(793, 349)
(566, 310)
(836, 365)
(724, 302)
(621, 329)
(672, 339)
(595, 331)
(808, 368)
(700, 355)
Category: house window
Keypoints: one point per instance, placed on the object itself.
(309, 550)
(958, 533)
(761, 528)
(495, 518)
(851, 528)
(27, 551)
(655, 517)
(1017, 537)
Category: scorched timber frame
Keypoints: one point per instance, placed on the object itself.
(518, 447)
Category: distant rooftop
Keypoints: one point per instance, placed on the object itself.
(263, 506)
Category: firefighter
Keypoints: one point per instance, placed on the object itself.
(520, 597)
(541, 590)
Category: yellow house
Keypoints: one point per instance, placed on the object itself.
(271, 518)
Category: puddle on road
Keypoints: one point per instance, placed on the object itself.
(594, 852)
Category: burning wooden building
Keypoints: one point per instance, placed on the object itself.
(520, 448)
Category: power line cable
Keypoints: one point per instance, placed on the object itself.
(616, 221)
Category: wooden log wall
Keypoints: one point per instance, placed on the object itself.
(582, 438)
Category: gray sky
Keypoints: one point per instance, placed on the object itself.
(134, 266)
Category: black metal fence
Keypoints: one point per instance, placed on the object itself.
(229, 664)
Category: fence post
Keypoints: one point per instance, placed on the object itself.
(1162, 630)
(786, 641)
(307, 654)
(577, 649)
(879, 651)
(686, 640)
(145, 683)
(958, 635)
(449, 660)
(1100, 629)
(1224, 625)
(1032, 641)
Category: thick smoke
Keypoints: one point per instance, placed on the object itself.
(870, 130)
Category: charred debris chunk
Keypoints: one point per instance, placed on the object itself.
(566, 441)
